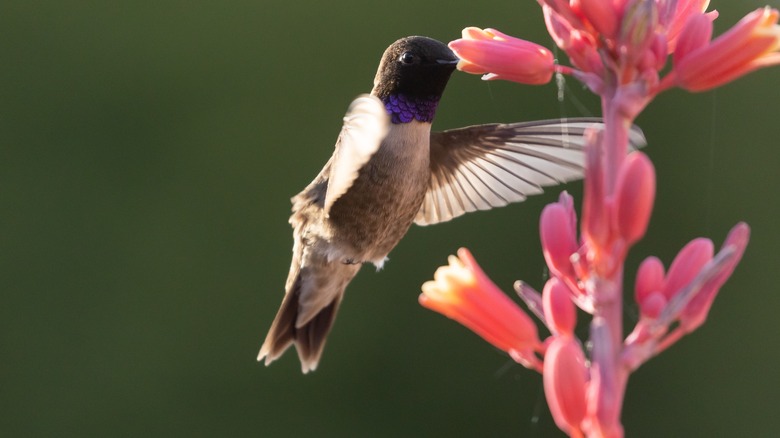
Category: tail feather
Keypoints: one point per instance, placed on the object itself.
(282, 332)
(304, 298)
(310, 339)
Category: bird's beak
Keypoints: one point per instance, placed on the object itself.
(447, 61)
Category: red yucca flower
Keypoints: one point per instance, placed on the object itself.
(618, 48)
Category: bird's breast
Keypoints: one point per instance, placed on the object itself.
(375, 213)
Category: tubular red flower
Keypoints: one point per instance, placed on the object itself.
(501, 56)
(461, 291)
(751, 44)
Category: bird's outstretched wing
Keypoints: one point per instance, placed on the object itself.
(486, 166)
(365, 126)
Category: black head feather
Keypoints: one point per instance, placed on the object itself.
(415, 67)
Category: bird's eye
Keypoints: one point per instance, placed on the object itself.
(407, 58)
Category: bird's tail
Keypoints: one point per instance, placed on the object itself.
(314, 293)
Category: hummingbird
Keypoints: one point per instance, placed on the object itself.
(389, 170)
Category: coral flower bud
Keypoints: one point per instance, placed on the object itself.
(583, 52)
(603, 15)
(558, 238)
(648, 286)
(695, 313)
(653, 305)
(596, 212)
(697, 34)
(676, 15)
(461, 291)
(649, 278)
(501, 56)
(634, 197)
(687, 265)
(565, 381)
(559, 311)
(638, 25)
(560, 29)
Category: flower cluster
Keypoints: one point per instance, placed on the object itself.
(619, 49)
(625, 44)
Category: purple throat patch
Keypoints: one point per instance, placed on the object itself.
(403, 109)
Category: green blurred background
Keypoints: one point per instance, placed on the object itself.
(148, 151)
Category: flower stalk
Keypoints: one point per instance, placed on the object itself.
(618, 49)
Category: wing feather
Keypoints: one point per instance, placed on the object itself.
(365, 126)
(486, 166)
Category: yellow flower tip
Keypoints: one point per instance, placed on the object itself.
(430, 287)
(767, 24)
(769, 16)
(497, 35)
(770, 29)
(442, 275)
(454, 262)
(465, 255)
(469, 67)
(434, 291)
(771, 32)
(449, 282)
(457, 276)
(473, 33)
(470, 264)
(440, 295)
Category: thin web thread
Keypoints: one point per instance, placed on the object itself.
(708, 193)
(564, 92)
